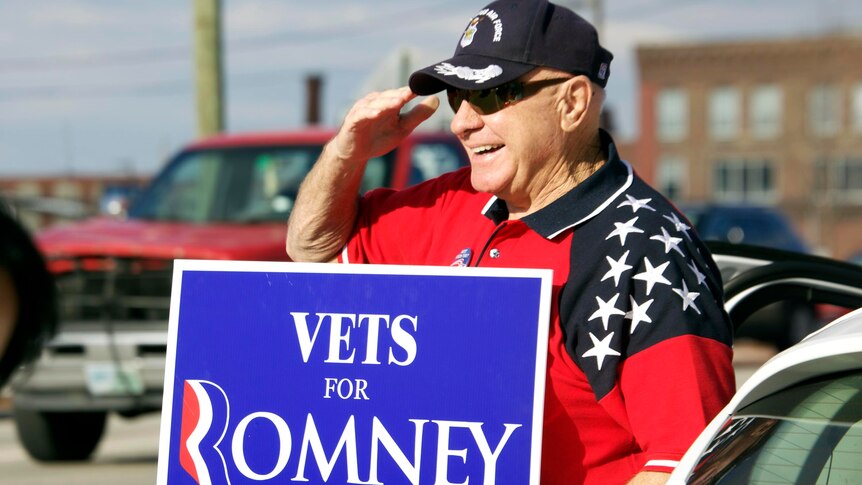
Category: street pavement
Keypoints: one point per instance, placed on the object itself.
(128, 455)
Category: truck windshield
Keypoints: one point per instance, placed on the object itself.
(239, 185)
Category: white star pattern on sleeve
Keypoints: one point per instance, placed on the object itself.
(636, 204)
(678, 224)
(623, 229)
(638, 313)
(618, 267)
(601, 349)
(652, 275)
(688, 297)
(669, 242)
(606, 310)
(701, 278)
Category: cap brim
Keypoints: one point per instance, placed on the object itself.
(466, 72)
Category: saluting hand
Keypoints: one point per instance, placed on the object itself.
(375, 124)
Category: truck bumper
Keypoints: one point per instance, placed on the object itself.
(87, 369)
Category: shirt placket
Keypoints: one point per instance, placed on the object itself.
(497, 247)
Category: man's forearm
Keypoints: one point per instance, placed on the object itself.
(649, 478)
(325, 210)
(326, 206)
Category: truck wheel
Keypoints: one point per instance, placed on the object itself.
(59, 436)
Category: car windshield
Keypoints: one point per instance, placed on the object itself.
(256, 184)
(809, 433)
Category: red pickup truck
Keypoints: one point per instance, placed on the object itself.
(226, 197)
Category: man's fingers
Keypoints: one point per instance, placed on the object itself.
(419, 113)
(375, 124)
(380, 105)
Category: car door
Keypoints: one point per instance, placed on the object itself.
(798, 419)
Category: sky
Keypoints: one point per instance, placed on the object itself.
(107, 87)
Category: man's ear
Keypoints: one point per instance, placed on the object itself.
(575, 100)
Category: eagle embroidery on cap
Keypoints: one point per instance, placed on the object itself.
(468, 73)
(467, 38)
(473, 27)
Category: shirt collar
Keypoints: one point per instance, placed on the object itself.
(580, 204)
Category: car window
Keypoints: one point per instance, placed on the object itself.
(428, 160)
(809, 433)
(185, 192)
(238, 184)
(377, 173)
(265, 186)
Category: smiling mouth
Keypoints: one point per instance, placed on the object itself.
(481, 150)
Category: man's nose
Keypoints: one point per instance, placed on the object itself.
(466, 119)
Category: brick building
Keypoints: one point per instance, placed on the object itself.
(777, 123)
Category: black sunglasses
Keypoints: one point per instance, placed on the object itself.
(487, 101)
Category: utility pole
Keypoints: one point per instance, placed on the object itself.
(208, 66)
(313, 85)
(405, 67)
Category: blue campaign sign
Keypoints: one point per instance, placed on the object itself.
(358, 374)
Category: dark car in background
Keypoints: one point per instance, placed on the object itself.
(785, 322)
(744, 224)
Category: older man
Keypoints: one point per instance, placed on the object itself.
(639, 354)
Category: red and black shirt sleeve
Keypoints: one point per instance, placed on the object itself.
(643, 317)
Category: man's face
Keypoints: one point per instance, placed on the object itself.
(516, 152)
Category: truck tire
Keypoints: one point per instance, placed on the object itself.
(59, 436)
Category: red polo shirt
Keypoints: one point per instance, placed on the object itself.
(639, 356)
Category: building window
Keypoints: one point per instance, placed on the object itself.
(672, 115)
(857, 108)
(724, 108)
(840, 180)
(765, 111)
(741, 180)
(847, 178)
(824, 110)
(671, 177)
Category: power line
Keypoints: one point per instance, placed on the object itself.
(54, 92)
(132, 57)
(112, 59)
(160, 88)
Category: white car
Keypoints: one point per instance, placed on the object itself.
(798, 418)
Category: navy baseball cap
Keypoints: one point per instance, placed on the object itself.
(510, 38)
